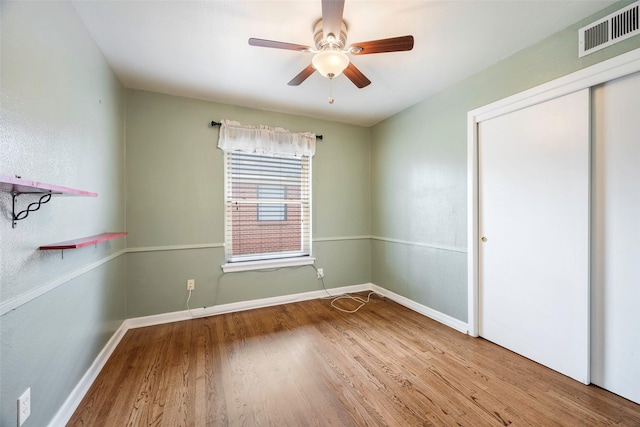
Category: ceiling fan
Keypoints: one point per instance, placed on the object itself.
(330, 56)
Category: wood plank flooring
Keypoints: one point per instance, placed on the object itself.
(306, 364)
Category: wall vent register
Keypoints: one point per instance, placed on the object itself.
(609, 30)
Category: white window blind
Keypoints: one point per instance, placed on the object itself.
(267, 206)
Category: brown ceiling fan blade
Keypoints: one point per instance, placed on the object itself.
(332, 17)
(278, 45)
(394, 44)
(302, 76)
(356, 76)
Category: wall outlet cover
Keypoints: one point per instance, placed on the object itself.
(24, 406)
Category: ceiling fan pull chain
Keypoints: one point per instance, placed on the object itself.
(330, 100)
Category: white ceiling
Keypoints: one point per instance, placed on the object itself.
(199, 49)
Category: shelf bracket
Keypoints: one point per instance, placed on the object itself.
(30, 208)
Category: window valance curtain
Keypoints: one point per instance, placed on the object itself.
(265, 140)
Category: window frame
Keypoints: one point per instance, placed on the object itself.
(264, 260)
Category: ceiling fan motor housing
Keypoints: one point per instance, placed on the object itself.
(337, 42)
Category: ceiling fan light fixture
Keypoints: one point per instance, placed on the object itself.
(331, 54)
(330, 63)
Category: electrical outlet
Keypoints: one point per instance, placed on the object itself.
(24, 406)
(320, 273)
(191, 284)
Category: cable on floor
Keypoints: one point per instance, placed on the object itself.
(188, 298)
(360, 300)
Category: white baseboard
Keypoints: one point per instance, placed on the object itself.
(194, 313)
(71, 403)
(447, 320)
(69, 406)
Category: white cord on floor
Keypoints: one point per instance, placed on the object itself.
(356, 298)
(188, 298)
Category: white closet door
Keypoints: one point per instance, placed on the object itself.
(616, 237)
(534, 214)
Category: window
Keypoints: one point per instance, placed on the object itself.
(267, 206)
(267, 173)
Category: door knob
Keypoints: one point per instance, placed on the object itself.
(484, 239)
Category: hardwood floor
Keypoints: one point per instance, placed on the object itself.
(308, 364)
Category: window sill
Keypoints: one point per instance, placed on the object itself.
(268, 264)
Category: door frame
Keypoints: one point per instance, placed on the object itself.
(619, 66)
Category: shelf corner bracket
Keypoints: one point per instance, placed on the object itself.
(32, 207)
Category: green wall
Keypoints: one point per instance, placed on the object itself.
(175, 205)
(62, 123)
(419, 179)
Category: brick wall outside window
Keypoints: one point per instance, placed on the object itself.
(250, 235)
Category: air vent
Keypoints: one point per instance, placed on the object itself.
(609, 30)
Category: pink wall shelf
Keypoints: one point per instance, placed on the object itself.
(17, 186)
(23, 186)
(84, 241)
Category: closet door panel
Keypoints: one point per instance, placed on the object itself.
(616, 237)
(534, 215)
